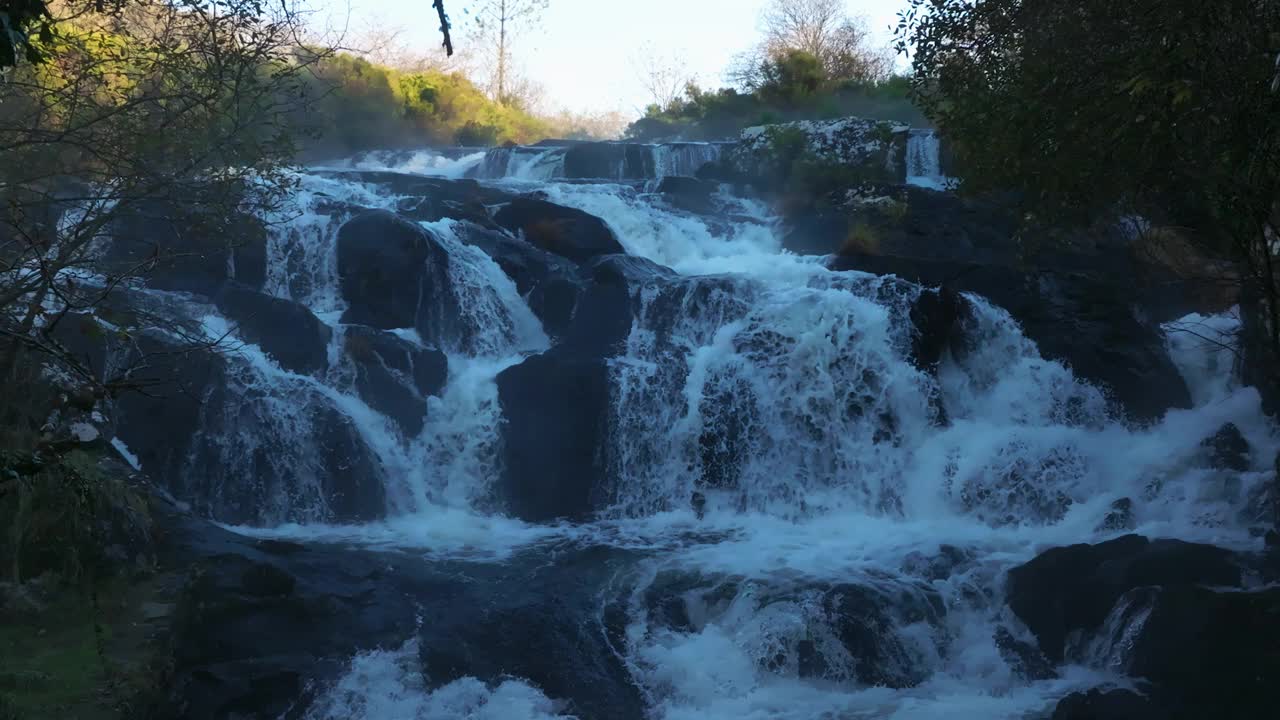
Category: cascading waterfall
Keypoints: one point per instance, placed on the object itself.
(924, 163)
(781, 393)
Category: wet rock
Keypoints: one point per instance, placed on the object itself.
(1074, 588)
(689, 194)
(255, 636)
(1119, 517)
(395, 274)
(606, 308)
(285, 330)
(865, 620)
(555, 410)
(1107, 705)
(938, 316)
(395, 376)
(567, 232)
(540, 623)
(434, 199)
(1228, 449)
(1211, 653)
(1023, 657)
(1087, 323)
(948, 561)
(549, 283)
(609, 160)
(187, 248)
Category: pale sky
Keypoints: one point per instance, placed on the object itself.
(583, 51)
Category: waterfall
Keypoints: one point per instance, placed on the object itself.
(683, 158)
(798, 520)
(924, 161)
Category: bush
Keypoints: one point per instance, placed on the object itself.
(63, 515)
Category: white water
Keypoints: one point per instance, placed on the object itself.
(924, 161)
(789, 384)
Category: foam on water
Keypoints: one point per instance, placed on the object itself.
(388, 685)
(783, 391)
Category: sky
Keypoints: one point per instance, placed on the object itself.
(584, 52)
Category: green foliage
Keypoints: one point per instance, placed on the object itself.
(792, 94)
(364, 106)
(1086, 104)
(61, 513)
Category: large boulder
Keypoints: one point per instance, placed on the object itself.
(187, 248)
(689, 194)
(285, 330)
(555, 410)
(861, 150)
(539, 621)
(1074, 588)
(550, 284)
(395, 274)
(260, 628)
(395, 376)
(606, 309)
(428, 199)
(1209, 653)
(1089, 324)
(1108, 705)
(239, 443)
(567, 232)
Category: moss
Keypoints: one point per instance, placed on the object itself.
(64, 514)
(81, 656)
(862, 239)
(49, 664)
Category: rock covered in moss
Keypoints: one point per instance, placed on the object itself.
(862, 150)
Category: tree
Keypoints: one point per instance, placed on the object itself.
(824, 30)
(151, 111)
(662, 75)
(500, 22)
(1169, 109)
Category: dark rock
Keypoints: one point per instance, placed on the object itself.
(539, 624)
(948, 561)
(567, 232)
(865, 618)
(555, 410)
(690, 194)
(258, 635)
(1025, 658)
(187, 248)
(549, 283)
(323, 473)
(1228, 450)
(1119, 517)
(1075, 587)
(607, 160)
(1209, 653)
(266, 580)
(938, 316)
(285, 330)
(1086, 323)
(395, 274)
(606, 309)
(393, 375)
(1108, 705)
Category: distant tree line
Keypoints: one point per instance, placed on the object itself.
(814, 62)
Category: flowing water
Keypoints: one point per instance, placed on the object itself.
(781, 391)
